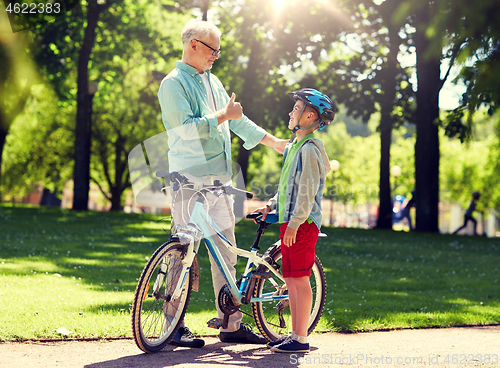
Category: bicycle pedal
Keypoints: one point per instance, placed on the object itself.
(215, 323)
(262, 275)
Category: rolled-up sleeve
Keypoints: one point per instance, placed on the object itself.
(247, 130)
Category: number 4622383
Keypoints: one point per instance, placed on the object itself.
(34, 8)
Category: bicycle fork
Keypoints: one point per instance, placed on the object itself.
(191, 237)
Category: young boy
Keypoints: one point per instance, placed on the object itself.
(298, 205)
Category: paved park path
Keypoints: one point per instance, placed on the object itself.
(451, 347)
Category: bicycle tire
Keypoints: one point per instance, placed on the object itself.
(151, 328)
(266, 314)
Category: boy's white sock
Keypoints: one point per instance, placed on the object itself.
(301, 339)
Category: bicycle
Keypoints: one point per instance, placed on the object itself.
(163, 292)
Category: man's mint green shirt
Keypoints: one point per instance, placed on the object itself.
(195, 140)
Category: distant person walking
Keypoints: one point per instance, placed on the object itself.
(406, 210)
(468, 214)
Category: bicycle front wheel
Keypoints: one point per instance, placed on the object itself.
(273, 318)
(155, 316)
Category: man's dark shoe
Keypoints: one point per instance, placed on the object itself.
(244, 335)
(186, 339)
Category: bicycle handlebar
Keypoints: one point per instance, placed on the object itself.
(238, 192)
(163, 174)
(172, 175)
(229, 189)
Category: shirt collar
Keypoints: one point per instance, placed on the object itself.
(188, 68)
(296, 141)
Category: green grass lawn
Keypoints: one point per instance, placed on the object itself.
(78, 271)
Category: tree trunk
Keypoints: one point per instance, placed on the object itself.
(204, 10)
(120, 179)
(249, 100)
(3, 136)
(81, 175)
(116, 200)
(384, 220)
(243, 158)
(388, 83)
(427, 117)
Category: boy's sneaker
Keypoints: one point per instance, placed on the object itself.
(291, 346)
(281, 340)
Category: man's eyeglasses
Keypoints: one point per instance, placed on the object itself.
(214, 51)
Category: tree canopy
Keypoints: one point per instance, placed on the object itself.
(350, 50)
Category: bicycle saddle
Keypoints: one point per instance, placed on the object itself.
(271, 218)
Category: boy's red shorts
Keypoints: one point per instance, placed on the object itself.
(298, 260)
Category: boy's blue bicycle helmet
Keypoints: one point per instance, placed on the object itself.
(323, 105)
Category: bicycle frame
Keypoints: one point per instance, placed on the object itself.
(201, 219)
(158, 313)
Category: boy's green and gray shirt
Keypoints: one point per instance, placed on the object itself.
(302, 181)
(285, 173)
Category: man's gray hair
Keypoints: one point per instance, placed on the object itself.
(198, 29)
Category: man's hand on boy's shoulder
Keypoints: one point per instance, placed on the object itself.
(277, 144)
(280, 145)
(290, 236)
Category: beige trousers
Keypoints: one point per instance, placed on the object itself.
(220, 209)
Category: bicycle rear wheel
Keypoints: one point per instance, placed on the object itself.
(155, 317)
(273, 318)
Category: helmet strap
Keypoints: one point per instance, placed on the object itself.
(310, 126)
(297, 127)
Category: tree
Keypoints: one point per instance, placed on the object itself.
(83, 131)
(15, 83)
(418, 22)
(77, 28)
(367, 78)
(39, 147)
(478, 38)
(434, 43)
(126, 115)
(444, 32)
(267, 51)
(427, 121)
(272, 41)
(126, 61)
(62, 50)
(491, 179)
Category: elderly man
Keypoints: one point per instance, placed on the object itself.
(199, 115)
